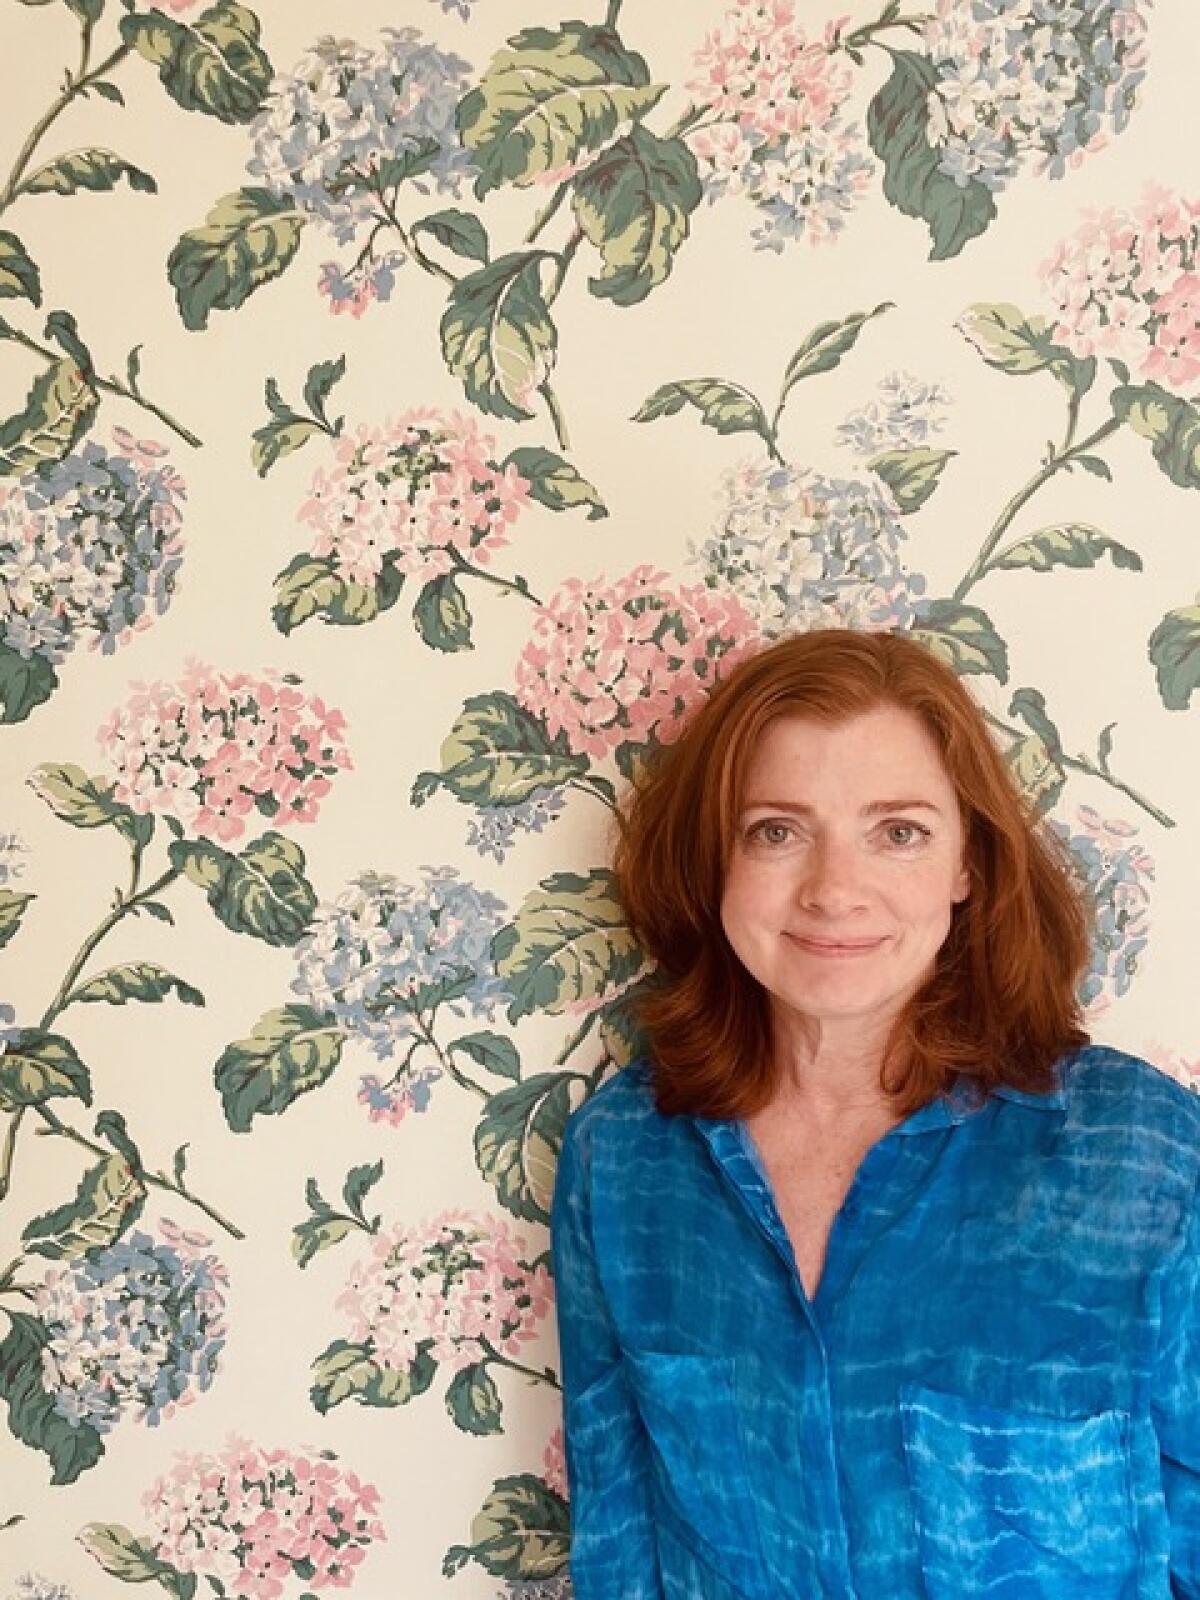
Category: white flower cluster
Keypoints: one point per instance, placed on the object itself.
(804, 551)
(1046, 79)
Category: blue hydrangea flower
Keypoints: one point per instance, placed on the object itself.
(1040, 79)
(350, 116)
(1114, 871)
(385, 955)
(803, 551)
(905, 416)
(136, 1328)
(556, 1588)
(90, 548)
(12, 849)
(493, 829)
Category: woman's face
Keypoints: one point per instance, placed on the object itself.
(847, 863)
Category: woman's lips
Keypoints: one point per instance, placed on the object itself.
(833, 949)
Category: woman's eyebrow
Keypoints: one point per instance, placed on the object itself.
(872, 809)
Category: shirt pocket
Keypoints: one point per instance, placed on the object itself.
(1017, 1506)
(689, 1406)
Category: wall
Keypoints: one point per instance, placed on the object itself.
(370, 499)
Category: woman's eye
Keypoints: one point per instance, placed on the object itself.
(771, 833)
(906, 834)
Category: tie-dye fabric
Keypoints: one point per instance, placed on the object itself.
(995, 1391)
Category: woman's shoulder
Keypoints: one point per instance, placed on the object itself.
(1109, 1089)
(622, 1103)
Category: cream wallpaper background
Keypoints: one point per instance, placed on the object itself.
(279, 1316)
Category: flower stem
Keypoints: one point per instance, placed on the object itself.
(1092, 769)
(889, 18)
(10, 1148)
(123, 904)
(613, 12)
(109, 386)
(575, 1040)
(158, 1180)
(516, 585)
(81, 80)
(1056, 460)
(546, 1375)
(463, 1079)
(586, 785)
(547, 212)
(561, 433)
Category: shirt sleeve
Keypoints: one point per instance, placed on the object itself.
(613, 1546)
(1176, 1410)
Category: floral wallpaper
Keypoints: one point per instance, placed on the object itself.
(403, 428)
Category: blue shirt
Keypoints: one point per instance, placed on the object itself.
(995, 1391)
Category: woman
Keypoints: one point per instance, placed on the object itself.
(876, 1280)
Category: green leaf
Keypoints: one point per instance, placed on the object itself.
(522, 1531)
(37, 1066)
(311, 586)
(1067, 544)
(1171, 424)
(620, 1031)
(25, 684)
(32, 1418)
(1038, 775)
(963, 636)
(18, 271)
(63, 329)
(492, 1051)
(319, 1233)
(320, 383)
(442, 615)
(137, 980)
(290, 1051)
(727, 407)
(87, 10)
(459, 231)
(87, 169)
(911, 475)
(110, 1197)
(87, 802)
(128, 1556)
(359, 1183)
(1012, 342)
(825, 346)
(1096, 465)
(554, 482)
(106, 91)
(517, 1141)
(110, 1126)
(568, 948)
(348, 1371)
(1174, 650)
(549, 100)
(473, 1400)
(12, 909)
(248, 238)
(898, 128)
(1030, 706)
(634, 205)
(212, 63)
(497, 753)
(497, 336)
(261, 891)
(58, 411)
(275, 440)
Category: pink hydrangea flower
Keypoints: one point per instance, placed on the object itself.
(1127, 284)
(624, 662)
(554, 1464)
(213, 747)
(251, 1519)
(457, 1283)
(761, 69)
(422, 493)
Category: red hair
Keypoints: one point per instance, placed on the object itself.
(1000, 1005)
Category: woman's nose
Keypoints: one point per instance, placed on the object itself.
(833, 877)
